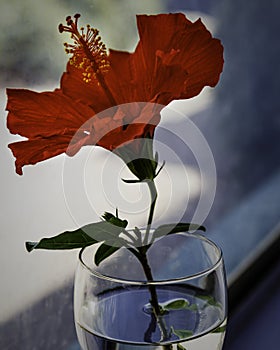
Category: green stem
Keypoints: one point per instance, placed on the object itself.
(142, 257)
(148, 272)
(153, 194)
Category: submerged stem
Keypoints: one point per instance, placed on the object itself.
(157, 311)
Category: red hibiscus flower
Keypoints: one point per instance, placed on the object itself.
(174, 59)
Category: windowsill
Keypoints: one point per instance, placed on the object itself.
(250, 228)
(255, 322)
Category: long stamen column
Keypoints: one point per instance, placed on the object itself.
(88, 53)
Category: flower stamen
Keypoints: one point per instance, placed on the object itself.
(88, 53)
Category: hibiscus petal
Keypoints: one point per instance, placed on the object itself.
(159, 32)
(174, 59)
(122, 78)
(183, 43)
(196, 57)
(49, 120)
(168, 82)
(33, 114)
(37, 150)
(138, 120)
(87, 93)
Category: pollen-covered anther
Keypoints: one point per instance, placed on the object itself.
(87, 75)
(89, 53)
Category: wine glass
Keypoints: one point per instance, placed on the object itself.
(183, 306)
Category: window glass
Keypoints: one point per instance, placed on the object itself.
(242, 125)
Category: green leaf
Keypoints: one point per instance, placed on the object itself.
(156, 157)
(210, 300)
(65, 240)
(160, 169)
(182, 333)
(177, 304)
(114, 220)
(180, 347)
(82, 237)
(143, 168)
(30, 246)
(168, 229)
(127, 181)
(219, 329)
(193, 307)
(103, 252)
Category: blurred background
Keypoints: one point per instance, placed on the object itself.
(239, 119)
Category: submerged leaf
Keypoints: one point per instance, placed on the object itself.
(210, 300)
(180, 347)
(219, 329)
(178, 304)
(182, 333)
